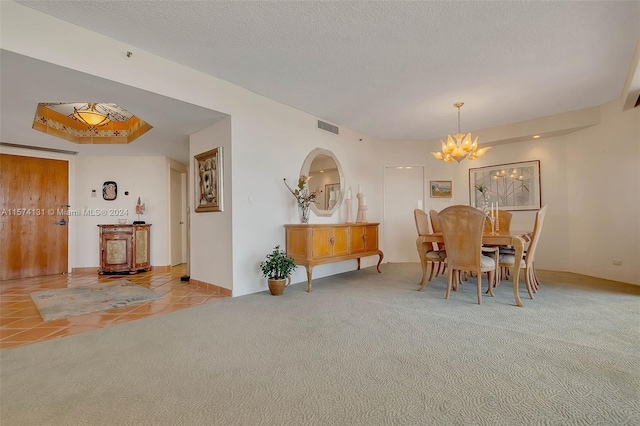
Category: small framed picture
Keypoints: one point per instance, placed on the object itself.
(207, 175)
(441, 189)
(109, 190)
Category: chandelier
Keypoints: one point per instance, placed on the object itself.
(462, 147)
(91, 117)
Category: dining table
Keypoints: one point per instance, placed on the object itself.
(516, 239)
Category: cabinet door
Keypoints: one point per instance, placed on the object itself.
(116, 252)
(340, 241)
(357, 239)
(297, 243)
(141, 254)
(371, 238)
(322, 243)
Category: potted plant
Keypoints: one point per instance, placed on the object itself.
(277, 269)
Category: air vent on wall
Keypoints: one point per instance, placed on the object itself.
(328, 127)
(39, 148)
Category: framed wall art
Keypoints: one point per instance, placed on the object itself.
(207, 175)
(441, 189)
(514, 186)
(109, 190)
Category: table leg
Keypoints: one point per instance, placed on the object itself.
(309, 270)
(518, 244)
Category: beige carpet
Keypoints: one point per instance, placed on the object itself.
(362, 349)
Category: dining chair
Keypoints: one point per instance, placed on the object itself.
(503, 224)
(504, 221)
(436, 228)
(429, 256)
(462, 228)
(528, 258)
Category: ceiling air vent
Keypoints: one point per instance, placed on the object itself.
(328, 127)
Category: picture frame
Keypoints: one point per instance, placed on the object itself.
(328, 189)
(441, 188)
(207, 179)
(109, 190)
(514, 186)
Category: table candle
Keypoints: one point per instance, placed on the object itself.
(359, 189)
(492, 210)
(364, 201)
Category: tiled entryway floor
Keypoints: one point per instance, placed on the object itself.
(21, 324)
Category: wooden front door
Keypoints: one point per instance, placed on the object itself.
(33, 197)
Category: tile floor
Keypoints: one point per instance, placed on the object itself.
(21, 324)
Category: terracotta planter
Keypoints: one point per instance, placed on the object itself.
(276, 287)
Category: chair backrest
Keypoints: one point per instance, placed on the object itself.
(537, 229)
(422, 222)
(462, 232)
(504, 218)
(435, 225)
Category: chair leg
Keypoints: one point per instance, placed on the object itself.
(491, 277)
(423, 281)
(536, 281)
(449, 283)
(528, 281)
(479, 278)
(433, 266)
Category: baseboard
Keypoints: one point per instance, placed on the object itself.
(83, 271)
(218, 289)
(94, 269)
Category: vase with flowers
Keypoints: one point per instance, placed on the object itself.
(304, 197)
(484, 192)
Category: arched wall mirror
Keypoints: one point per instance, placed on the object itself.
(325, 173)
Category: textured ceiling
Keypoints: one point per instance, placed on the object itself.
(391, 70)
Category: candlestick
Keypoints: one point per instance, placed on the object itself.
(348, 205)
(359, 188)
(362, 209)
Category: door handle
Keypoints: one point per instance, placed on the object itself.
(60, 222)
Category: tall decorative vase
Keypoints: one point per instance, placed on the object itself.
(303, 212)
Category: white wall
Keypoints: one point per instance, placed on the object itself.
(144, 177)
(603, 197)
(211, 258)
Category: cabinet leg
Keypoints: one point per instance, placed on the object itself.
(380, 261)
(358, 264)
(309, 270)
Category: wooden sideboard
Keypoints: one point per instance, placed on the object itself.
(124, 248)
(311, 245)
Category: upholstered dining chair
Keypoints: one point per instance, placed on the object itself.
(526, 262)
(462, 228)
(428, 255)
